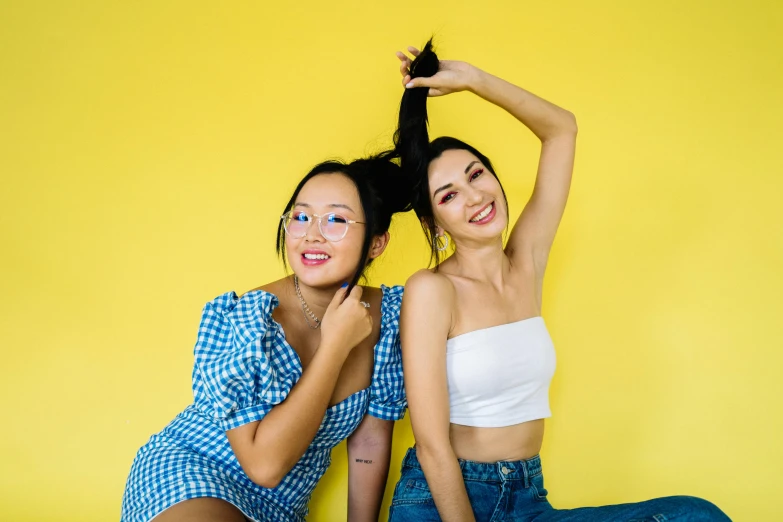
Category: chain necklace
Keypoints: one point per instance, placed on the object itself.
(306, 309)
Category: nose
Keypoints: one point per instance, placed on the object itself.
(473, 196)
(314, 231)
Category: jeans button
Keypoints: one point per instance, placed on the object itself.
(505, 470)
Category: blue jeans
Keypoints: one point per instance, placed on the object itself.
(505, 491)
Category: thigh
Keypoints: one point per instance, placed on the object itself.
(529, 503)
(681, 509)
(414, 513)
(201, 510)
(413, 502)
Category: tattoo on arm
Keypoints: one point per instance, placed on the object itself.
(363, 461)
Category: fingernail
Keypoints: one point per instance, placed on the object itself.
(409, 85)
(344, 285)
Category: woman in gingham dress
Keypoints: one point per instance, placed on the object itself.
(285, 372)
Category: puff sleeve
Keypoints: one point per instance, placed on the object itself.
(243, 366)
(387, 390)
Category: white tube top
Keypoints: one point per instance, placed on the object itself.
(499, 376)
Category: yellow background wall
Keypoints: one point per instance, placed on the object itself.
(146, 150)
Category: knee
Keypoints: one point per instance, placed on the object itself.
(702, 510)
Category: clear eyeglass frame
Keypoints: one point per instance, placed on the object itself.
(327, 234)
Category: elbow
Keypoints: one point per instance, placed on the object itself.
(266, 475)
(360, 443)
(569, 123)
(560, 128)
(372, 435)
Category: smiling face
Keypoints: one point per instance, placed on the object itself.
(467, 200)
(317, 261)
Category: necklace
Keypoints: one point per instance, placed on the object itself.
(306, 309)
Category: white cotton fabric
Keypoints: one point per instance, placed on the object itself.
(499, 376)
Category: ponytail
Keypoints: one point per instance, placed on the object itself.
(416, 152)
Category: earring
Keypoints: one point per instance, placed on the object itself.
(445, 246)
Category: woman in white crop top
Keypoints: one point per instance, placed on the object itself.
(477, 356)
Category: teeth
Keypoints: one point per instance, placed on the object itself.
(316, 256)
(484, 213)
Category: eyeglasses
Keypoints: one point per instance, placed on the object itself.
(333, 226)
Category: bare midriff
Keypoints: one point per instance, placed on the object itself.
(516, 442)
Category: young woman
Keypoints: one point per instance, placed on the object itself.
(285, 372)
(477, 356)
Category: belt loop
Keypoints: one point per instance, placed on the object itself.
(525, 473)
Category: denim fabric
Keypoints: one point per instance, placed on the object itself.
(505, 491)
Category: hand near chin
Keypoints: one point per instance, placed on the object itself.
(346, 323)
(452, 75)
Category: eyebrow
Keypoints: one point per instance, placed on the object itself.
(449, 185)
(470, 165)
(332, 205)
(444, 187)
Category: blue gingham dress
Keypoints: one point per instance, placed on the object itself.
(244, 367)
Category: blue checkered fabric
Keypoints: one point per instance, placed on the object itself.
(243, 368)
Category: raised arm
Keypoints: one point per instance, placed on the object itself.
(369, 451)
(424, 328)
(534, 232)
(269, 448)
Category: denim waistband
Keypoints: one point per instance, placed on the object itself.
(501, 471)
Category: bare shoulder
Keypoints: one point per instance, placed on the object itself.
(372, 294)
(426, 285)
(429, 300)
(427, 314)
(275, 287)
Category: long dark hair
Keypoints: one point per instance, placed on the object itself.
(382, 192)
(412, 144)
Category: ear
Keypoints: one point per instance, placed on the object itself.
(426, 222)
(379, 244)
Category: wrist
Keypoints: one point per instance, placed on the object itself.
(475, 79)
(334, 349)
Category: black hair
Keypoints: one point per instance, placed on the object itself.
(382, 193)
(416, 152)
